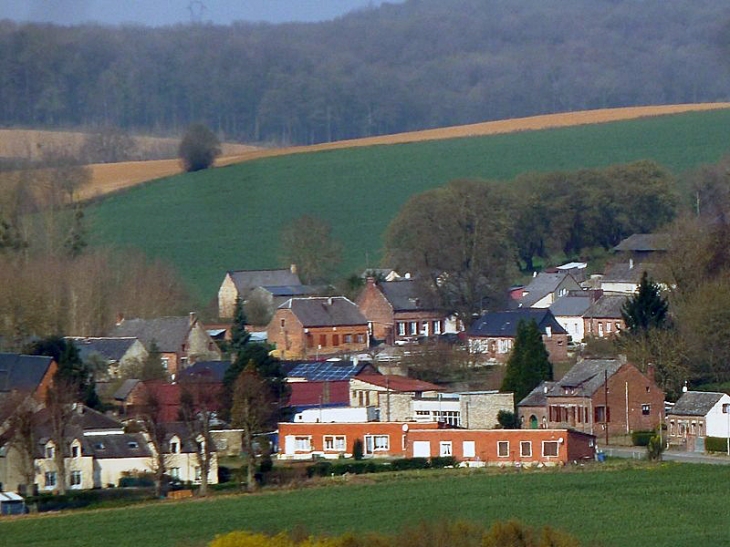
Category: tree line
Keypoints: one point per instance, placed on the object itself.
(410, 66)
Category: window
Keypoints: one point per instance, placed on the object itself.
(165, 362)
(335, 443)
(526, 449)
(375, 443)
(50, 479)
(550, 449)
(283, 323)
(413, 328)
(600, 415)
(175, 473)
(600, 330)
(133, 444)
(335, 340)
(645, 410)
(436, 327)
(75, 479)
(608, 327)
(468, 449)
(75, 451)
(503, 449)
(303, 444)
(445, 448)
(347, 338)
(50, 451)
(174, 447)
(322, 340)
(401, 328)
(360, 338)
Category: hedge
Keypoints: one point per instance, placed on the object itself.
(716, 444)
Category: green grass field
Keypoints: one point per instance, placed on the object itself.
(626, 505)
(209, 222)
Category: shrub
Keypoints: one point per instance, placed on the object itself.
(641, 438)
(716, 444)
(357, 449)
(444, 461)
(508, 420)
(198, 148)
(655, 448)
(407, 464)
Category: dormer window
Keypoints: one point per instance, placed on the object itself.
(50, 451)
(75, 450)
(133, 444)
(175, 446)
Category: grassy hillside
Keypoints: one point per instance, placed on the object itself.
(655, 506)
(229, 218)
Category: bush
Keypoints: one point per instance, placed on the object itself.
(199, 148)
(357, 449)
(716, 444)
(655, 448)
(641, 438)
(508, 420)
(444, 461)
(407, 464)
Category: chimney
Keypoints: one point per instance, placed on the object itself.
(192, 318)
(684, 387)
(329, 301)
(293, 268)
(631, 263)
(120, 318)
(370, 281)
(650, 372)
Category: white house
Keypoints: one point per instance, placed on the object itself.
(696, 415)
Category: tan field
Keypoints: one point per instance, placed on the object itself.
(117, 176)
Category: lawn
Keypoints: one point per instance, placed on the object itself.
(621, 504)
(209, 222)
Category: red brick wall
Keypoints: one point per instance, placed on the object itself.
(377, 310)
(602, 327)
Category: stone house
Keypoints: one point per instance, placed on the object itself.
(396, 311)
(696, 415)
(181, 341)
(317, 326)
(239, 284)
(603, 397)
(377, 389)
(603, 318)
(117, 354)
(493, 334)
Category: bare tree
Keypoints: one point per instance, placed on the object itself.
(149, 417)
(199, 404)
(252, 409)
(60, 400)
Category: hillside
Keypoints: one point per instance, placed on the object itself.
(229, 218)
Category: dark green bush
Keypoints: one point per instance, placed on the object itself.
(444, 461)
(641, 438)
(716, 444)
(407, 464)
(357, 449)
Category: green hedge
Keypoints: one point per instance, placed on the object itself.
(641, 438)
(337, 467)
(716, 444)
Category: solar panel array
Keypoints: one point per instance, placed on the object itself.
(325, 371)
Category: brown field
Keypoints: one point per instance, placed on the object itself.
(113, 177)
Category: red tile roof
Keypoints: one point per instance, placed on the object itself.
(398, 383)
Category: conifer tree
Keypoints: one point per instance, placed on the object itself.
(528, 364)
(647, 309)
(239, 334)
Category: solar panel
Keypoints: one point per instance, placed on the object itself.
(325, 372)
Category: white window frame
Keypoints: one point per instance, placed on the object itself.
(302, 443)
(401, 328)
(503, 449)
(75, 450)
(334, 443)
(174, 445)
(526, 445)
(550, 443)
(50, 479)
(377, 443)
(175, 473)
(436, 326)
(413, 328)
(446, 449)
(75, 479)
(469, 449)
(50, 451)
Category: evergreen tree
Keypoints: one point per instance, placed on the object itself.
(240, 336)
(647, 309)
(528, 364)
(152, 367)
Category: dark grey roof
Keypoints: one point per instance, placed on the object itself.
(210, 370)
(22, 372)
(127, 445)
(538, 396)
(626, 272)
(644, 243)
(405, 295)
(246, 280)
(571, 306)
(110, 348)
(585, 377)
(696, 403)
(180, 430)
(293, 290)
(544, 284)
(504, 323)
(607, 306)
(169, 333)
(125, 389)
(325, 311)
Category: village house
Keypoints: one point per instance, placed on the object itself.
(697, 415)
(603, 318)
(604, 397)
(376, 390)
(493, 334)
(569, 311)
(116, 355)
(181, 341)
(396, 311)
(25, 375)
(643, 247)
(473, 447)
(317, 326)
(545, 288)
(239, 284)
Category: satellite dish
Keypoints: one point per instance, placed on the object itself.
(404, 427)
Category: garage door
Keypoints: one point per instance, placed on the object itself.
(422, 449)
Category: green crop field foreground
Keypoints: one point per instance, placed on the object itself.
(208, 222)
(625, 504)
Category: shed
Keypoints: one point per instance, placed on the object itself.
(11, 504)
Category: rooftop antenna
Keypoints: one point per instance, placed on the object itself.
(197, 9)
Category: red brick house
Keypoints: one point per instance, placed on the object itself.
(428, 440)
(396, 311)
(604, 397)
(493, 334)
(603, 318)
(26, 374)
(316, 327)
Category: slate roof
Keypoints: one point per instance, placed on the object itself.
(125, 389)
(624, 272)
(571, 306)
(696, 403)
(325, 311)
(538, 396)
(607, 306)
(211, 370)
(22, 372)
(585, 377)
(246, 280)
(293, 290)
(644, 243)
(169, 333)
(404, 296)
(110, 348)
(401, 384)
(328, 370)
(127, 445)
(503, 324)
(542, 285)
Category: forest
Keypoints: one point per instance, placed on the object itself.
(410, 66)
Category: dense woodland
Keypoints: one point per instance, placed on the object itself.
(420, 64)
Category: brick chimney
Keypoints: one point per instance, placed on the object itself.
(192, 318)
(651, 372)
